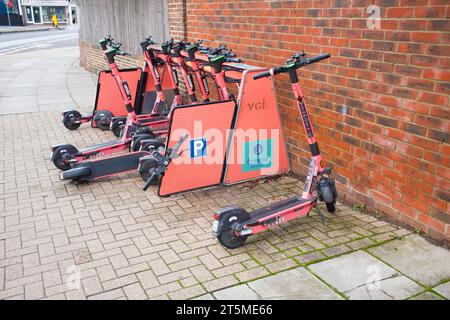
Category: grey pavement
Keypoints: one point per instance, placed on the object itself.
(416, 259)
(123, 243)
(33, 28)
(37, 82)
(360, 276)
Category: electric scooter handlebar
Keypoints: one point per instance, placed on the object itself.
(319, 58)
(123, 53)
(236, 60)
(261, 75)
(164, 161)
(149, 182)
(299, 63)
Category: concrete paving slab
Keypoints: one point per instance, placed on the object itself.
(11, 109)
(400, 288)
(427, 296)
(242, 292)
(416, 258)
(443, 289)
(54, 100)
(13, 92)
(205, 297)
(295, 284)
(53, 107)
(367, 293)
(350, 271)
(18, 100)
(397, 288)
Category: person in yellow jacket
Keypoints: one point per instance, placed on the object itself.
(55, 21)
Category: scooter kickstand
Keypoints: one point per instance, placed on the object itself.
(322, 216)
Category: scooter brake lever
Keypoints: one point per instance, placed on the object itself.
(179, 154)
(299, 55)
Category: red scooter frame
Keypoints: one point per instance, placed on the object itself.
(233, 225)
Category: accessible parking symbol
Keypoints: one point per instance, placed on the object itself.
(198, 148)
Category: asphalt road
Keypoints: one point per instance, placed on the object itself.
(11, 43)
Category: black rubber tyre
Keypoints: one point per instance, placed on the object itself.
(117, 127)
(76, 174)
(230, 220)
(153, 145)
(70, 120)
(136, 145)
(102, 119)
(331, 207)
(328, 194)
(146, 169)
(60, 157)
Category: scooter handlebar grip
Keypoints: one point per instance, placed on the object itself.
(262, 75)
(236, 60)
(320, 58)
(149, 182)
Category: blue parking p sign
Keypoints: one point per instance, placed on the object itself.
(198, 148)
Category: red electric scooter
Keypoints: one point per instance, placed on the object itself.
(233, 225)
(73, 119)
(105, 167)
(135, 129)
(65, 154)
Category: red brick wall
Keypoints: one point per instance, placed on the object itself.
(380, 106)
(177, 18)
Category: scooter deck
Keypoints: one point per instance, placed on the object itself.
(114, 165)
(273, 208)
(101, 146)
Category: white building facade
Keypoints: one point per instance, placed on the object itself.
(41, 11)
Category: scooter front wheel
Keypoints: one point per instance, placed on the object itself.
(136, 144)
(72, 120)
(117, 126)
(146, 169)
(331, 207)
(102, 119)
(229, 222)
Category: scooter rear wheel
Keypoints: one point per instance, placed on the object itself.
(72, 119)
(60, 158)
(231, 220)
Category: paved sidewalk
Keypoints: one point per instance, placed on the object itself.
(36, 81)
(407, 268)
(110, 240)
(5, 29)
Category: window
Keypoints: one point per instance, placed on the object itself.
(29, 13)
(48, 12)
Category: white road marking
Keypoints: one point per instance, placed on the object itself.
(36, 44)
